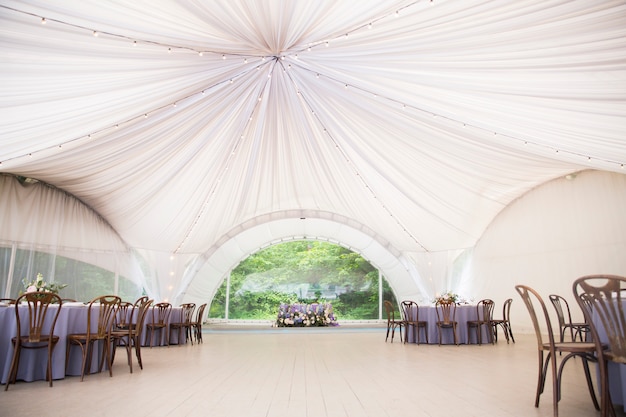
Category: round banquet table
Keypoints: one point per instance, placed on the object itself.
(464, 313)
(33, 362)
(72, 319)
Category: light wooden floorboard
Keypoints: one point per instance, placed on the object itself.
(330, 372)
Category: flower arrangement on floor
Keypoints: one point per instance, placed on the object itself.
(448, 296)
(306, 315)
(39, 285)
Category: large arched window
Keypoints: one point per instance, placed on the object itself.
(302, 271)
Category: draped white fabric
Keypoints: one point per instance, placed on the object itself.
(180, 123)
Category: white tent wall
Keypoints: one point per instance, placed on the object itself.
(563, 229)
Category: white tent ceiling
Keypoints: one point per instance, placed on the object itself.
(179, 122)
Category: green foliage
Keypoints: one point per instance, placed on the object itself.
(305, 272)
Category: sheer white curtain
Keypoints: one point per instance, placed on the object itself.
(47, 231)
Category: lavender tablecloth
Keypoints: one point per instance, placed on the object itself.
(464, 313)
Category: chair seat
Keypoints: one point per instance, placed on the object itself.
(43, 340)
(574, 347)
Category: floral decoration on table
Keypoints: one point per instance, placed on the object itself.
(39, 285)
(306, 315)
(448, 296)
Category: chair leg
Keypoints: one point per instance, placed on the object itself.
(137, 344)
(540, 379)
(15, 361)
(508, 325)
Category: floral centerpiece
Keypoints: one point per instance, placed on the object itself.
(448, 296)
(305, 315)
(39, 285)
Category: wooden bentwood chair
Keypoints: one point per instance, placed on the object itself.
(40, 330)
(533, 302)
(576, 330)
(393, 323)
(184, 324)
(504, 322)
(130, 335)
(196, 324)
(410, 314)
(104, 308)
(160, 322)
(484, 317)
(603, 301)
(446, 318)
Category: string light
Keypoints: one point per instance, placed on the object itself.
(369, 25)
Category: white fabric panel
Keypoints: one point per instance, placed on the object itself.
(183, 124)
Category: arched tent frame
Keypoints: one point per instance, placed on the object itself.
(261, 232)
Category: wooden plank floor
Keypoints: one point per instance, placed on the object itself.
(328, 372)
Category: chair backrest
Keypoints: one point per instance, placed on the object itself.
(161, 313)
(124, 315)
(141, 300)
(38, 303)
(446, 311)
(603, 301)
(142, 312)
(484, 309)
(410, 310)
(558, 302)
(531, 298)
(187, 314)
(107, 307)
(391, 312)
(7, 300)
(200, 313)
(506, 309)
